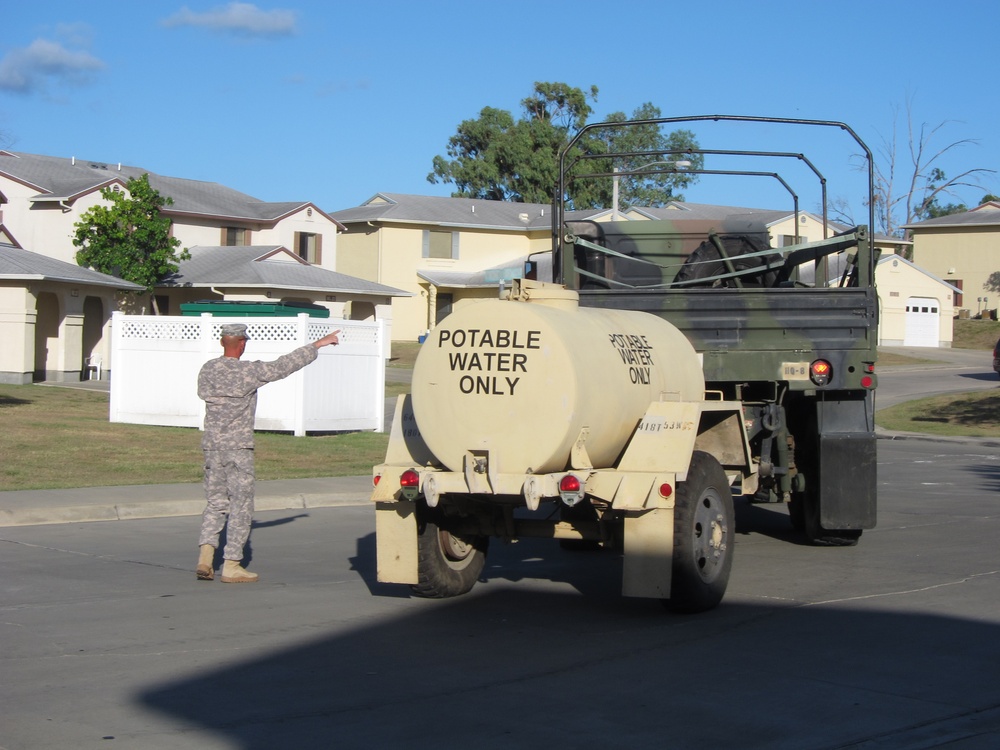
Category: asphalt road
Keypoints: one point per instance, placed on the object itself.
(109, 641)
(950, 371)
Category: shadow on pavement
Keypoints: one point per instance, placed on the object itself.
(507, 667)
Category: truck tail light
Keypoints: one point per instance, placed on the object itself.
(820, 371)
(868, 379)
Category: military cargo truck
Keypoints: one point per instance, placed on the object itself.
(666, 365)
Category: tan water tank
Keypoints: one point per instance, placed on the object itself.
(522, 379)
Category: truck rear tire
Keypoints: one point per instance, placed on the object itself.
(704, 533)
(447, 564)
(803, 512)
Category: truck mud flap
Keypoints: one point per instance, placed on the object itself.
(847, 503)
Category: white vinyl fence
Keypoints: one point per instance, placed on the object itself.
(155, 361)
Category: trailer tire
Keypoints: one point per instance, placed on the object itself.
(447, 564)
(704, 534)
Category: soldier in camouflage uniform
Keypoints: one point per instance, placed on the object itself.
(228, 385)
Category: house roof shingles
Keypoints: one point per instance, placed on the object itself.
(23, 265)
(62, 179)
(466, 212)
(474, 213)
(271, 267)
(985, 215)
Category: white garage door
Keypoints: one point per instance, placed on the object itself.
(922, 322)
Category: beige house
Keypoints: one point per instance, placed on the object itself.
(444, 251)
(916, 308)
(43, 197)
(964, 250)
(51, 312)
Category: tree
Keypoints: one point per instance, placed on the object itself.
(496, 157)
(924, 182)
(130, 238)
(992, 283)
(653, 186)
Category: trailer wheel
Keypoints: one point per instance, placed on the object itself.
(447, 564)
(704, 533)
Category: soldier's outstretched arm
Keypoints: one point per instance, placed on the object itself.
(330, 338)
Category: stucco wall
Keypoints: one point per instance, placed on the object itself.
(51, 328)
(358, 254)
(17, 332)
(963, 254)
(46, 229)
(897, 282)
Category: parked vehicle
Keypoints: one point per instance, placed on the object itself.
(668, 365)
(996, 357)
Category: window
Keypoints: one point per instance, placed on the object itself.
(235, 236)
(784, 240)
(440, 244)
(309, 247)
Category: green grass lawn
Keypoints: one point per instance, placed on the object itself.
(60, 437)
(975, 334)
(973, 414)
(964, 415)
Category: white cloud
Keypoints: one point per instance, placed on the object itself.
(240, 18)
(26, 69)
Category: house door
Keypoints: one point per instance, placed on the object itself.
(444, 304)
(922, 322)
(47, 342)
(93, 328)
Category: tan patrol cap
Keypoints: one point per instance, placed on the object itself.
(235, 329)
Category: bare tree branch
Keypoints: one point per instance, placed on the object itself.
(925, 182)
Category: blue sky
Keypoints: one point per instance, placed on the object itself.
(331, 102)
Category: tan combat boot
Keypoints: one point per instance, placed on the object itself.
(206, 554)
(232, 572)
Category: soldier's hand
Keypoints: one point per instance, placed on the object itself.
(330, 338)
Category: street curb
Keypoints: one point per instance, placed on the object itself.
(964, 440)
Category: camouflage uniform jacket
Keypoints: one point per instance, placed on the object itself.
(228, 386)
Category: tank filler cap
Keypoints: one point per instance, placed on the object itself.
(544, 293)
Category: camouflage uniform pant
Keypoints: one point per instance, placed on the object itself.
(229, 491)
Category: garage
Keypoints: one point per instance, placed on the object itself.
(922, 322)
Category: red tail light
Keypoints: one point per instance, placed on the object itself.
(569, 483)
(820, 371)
